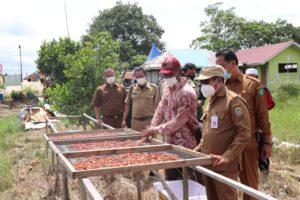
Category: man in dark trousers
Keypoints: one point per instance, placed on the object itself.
(110, 98)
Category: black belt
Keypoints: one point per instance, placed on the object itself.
(143, 118)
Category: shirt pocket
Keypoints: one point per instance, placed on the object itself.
(134, 95)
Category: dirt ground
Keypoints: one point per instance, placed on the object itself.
(33, 178)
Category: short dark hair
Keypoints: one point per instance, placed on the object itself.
(138, 69)
(228, 55)
(187, 66)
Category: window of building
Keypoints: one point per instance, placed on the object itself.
(287, 67)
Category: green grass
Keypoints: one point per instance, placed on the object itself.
(285, 119)
(9, 127)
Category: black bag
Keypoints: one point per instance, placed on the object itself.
(263, 164)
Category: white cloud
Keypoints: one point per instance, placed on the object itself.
(32, 21)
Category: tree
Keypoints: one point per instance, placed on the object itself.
(128, 24)
(84, 73)
(137, 60)
(220, 31)
(225, 29)
(51, 58)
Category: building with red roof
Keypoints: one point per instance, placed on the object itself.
(276, 63)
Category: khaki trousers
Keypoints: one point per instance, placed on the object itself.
(216, 190)
(249, 173)
(139, 125)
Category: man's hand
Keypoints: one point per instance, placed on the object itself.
(99, 121)
(219, 160)
(152, 131)
(267, 151)
(124, 124)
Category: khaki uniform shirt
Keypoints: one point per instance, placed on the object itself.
(110, 99)
(193, 85)
(252, 90)
(226, 128)
(143, 101)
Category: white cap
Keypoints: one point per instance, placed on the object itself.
(252, 71)
(47, 107)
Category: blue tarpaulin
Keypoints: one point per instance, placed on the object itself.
(154, 52)
(200, 57)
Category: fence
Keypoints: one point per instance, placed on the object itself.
(12, 79)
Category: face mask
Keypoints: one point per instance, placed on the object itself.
(171, 81)
(227, 75)
(110, 80)
(208, 90)
(141, 81)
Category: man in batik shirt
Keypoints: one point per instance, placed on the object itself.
(176, 114)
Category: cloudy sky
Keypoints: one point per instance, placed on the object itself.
(28, 23)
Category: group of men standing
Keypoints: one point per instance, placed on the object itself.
(236, 111)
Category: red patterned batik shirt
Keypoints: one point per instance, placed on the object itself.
(176, 115)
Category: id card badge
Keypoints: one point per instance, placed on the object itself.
(214, 122)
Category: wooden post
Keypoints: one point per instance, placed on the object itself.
(52, 161)
(46, 122)
(65, 185)
(138, 185)
(82, 190)
(56, 181)
(185, 183)
(84, 123)
(46, 149)
(90, 188)
(46, 146)
(165, 185)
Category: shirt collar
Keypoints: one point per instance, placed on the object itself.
(239, 78)
(220, 94)
(113, 85)
(147, 86)
(180, 84)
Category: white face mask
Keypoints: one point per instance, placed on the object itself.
(141, 81)
(208, 90)
(171, 81)
(110, 80)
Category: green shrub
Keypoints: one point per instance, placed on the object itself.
(17, 95)
(288, 90)
(29, 93)
(2, 86)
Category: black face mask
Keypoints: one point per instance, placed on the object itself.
(191, 76)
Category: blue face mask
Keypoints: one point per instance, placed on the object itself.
(227, 75)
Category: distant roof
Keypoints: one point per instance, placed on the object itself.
(200, 57)
(261, 55)
(154, 52)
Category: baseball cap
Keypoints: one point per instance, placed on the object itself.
(170, 65)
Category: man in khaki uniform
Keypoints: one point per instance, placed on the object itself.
(110, 98)
(252, 90)
(142, 96)
(226, 131)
